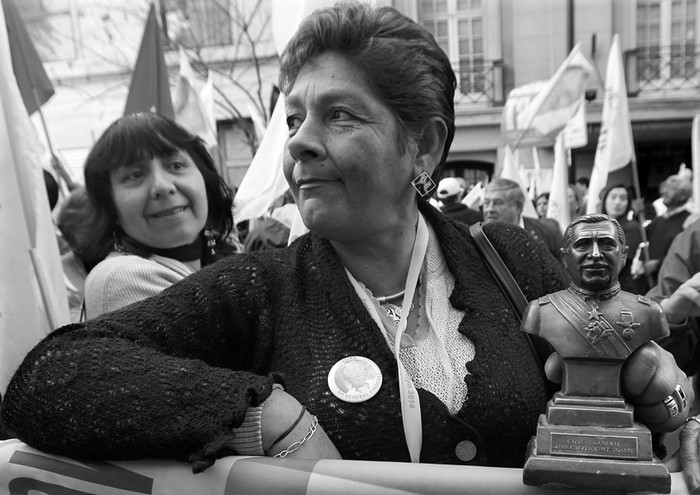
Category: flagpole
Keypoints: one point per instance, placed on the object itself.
(640, 214)
(55, 162)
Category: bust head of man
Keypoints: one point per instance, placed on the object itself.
(503, 201)
(595, 250)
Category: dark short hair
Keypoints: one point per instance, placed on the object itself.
(146, 135)
(593, 218)
(400, 59)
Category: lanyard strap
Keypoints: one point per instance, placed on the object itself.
(410, 403)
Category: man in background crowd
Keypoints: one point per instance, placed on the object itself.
(503, 202)
(450, 193)
(675, 192)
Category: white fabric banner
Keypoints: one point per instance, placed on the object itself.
(558, 207)
(615, 148)
(512, 170)
(535, 113)
(24, 470)
(264, 181)
(33, 298)
(190, 111)
(695, 149)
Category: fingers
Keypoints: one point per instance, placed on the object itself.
(553, 367)
(649, 374)
(660, 391)
(688, 454)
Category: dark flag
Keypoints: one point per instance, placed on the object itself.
(34, 84)
(149, 89)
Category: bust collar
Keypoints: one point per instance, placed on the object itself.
(604, 295)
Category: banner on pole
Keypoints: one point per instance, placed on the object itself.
(535, 113)
(33, 299)
(34, 85)
(695, 149)
(190, 111)
(615, 148)
(149, 89)
(558, 206)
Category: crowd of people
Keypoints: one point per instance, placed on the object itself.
(193, 345)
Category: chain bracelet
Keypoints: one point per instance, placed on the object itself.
(297, 445)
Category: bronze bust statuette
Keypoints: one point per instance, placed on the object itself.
(588, 437)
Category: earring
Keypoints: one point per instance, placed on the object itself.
(211, 240)
(423, 184)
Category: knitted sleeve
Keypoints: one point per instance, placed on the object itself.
(119, 281)
(533, 266)
(170, 376)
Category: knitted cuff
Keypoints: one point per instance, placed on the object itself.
(248, 439)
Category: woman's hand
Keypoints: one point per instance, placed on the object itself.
(687, 457)
(651, 381)
(280, 412)
(661, 393)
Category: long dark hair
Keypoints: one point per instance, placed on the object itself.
(604, 196)
(140, 136)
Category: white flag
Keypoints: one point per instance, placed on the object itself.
(558, 207)
(190, 111)
(512, 170)
(33, 299)
(695, 147)
(264, 181)
(615, 147)
(551, 109)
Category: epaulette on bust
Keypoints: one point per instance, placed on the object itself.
(544, 300)
(644, 300)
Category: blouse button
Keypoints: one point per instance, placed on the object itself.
(465, 451)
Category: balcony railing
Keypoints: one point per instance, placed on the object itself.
(662, 69)
(479, 81)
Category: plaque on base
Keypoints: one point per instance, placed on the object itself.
(601, 450)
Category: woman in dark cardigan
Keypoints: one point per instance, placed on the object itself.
(246, 355)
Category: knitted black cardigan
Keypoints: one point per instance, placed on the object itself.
(171, 376)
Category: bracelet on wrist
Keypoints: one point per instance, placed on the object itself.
(290, 429)
(248, 439)
(297, 445)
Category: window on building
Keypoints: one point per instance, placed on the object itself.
(666, 37)
(198, 23)
(458, 26)
(53, 28)
(234, 149)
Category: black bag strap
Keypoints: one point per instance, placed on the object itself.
(540, 347)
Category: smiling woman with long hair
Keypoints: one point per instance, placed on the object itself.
(160, 211)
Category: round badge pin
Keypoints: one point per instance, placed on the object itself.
(355, 379)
